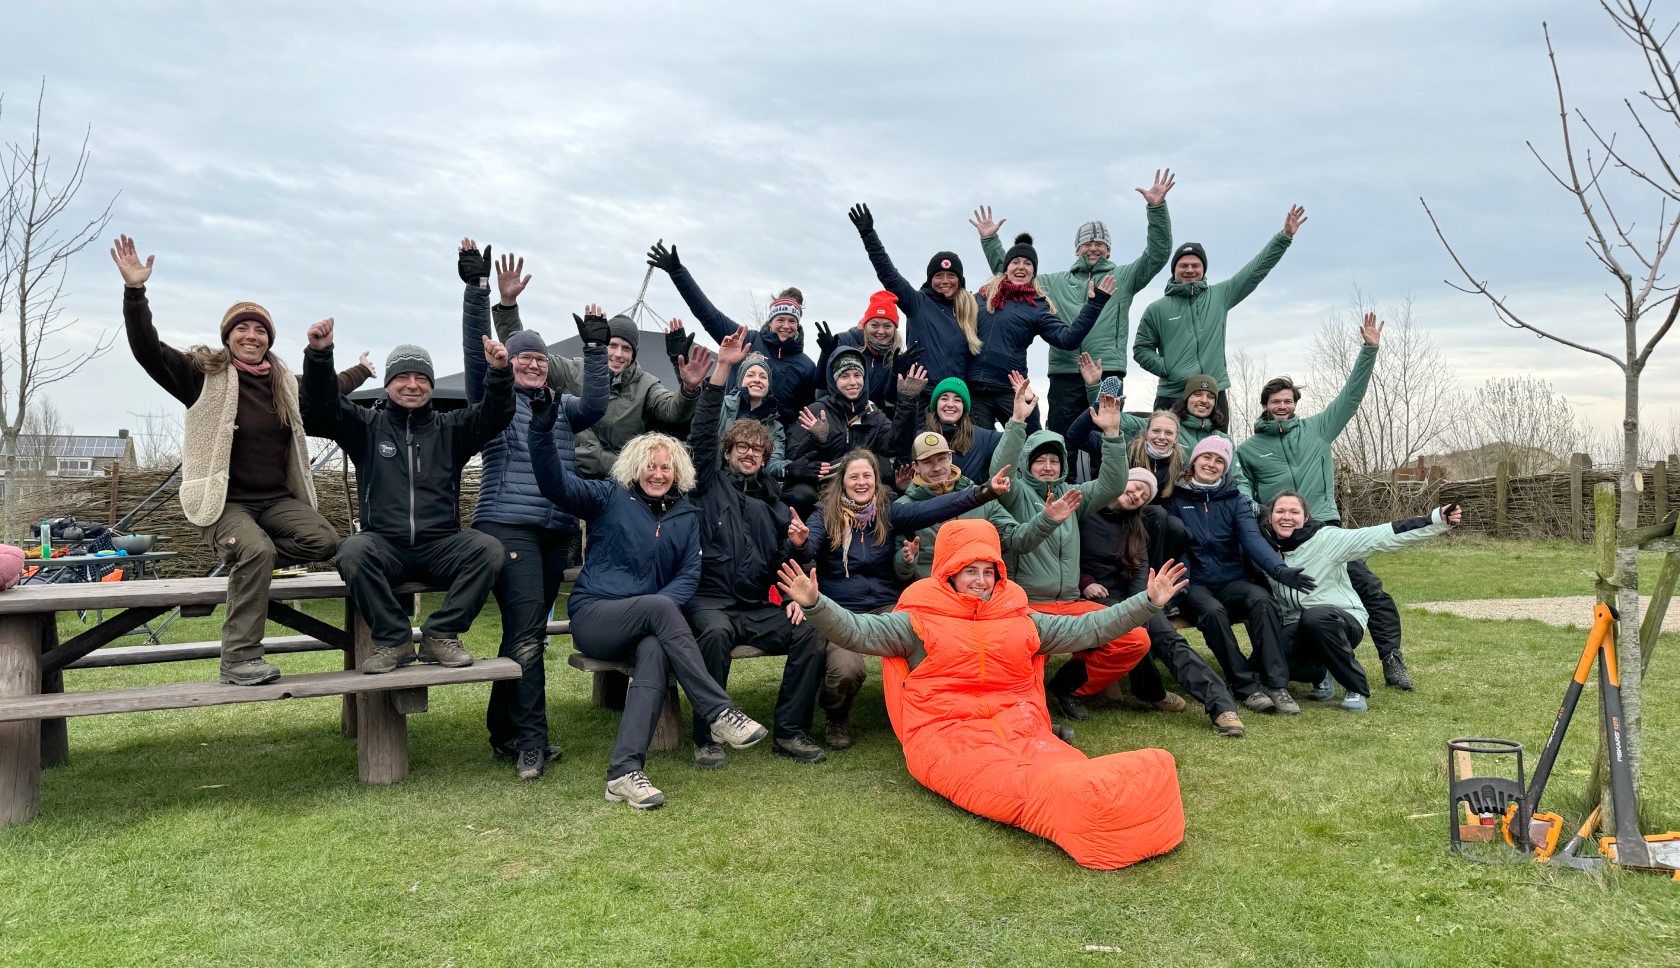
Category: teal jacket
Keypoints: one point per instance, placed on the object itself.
(1296, 453)
(1107, 339)
(1050, 572)
(1183, 333)
(1012, 536)
(1325, 555)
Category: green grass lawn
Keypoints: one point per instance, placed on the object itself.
(240, 835)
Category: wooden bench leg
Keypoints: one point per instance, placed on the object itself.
(667, 735)
(347, 710)
(381, 731)
(610, 690)
(55, 733)
(20, 742)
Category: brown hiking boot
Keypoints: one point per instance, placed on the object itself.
(1229, 725)
(388, 657)
(1174, 703)
(445, 652)
(839, 736)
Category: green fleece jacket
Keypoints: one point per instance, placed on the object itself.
(1013, 536)
(1295, 453)
(1050, 572)
(1183, 333)
(1107, 339)
(1325, 556)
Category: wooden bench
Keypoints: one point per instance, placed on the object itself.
(33, 704)
(612, 681)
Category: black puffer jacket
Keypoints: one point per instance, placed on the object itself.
(806, 454)
(743, 522)
(408, 462)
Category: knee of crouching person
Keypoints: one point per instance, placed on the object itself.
(528, 654)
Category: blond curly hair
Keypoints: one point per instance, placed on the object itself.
(627, 469)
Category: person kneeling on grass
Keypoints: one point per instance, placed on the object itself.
(1322, 626)
(408, 479)
(963, 662)
(641, 567)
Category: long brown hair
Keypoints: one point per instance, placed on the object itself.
(1139, 456)
(1134, 548)
(282, 382)
(833, 511)
(962, 438)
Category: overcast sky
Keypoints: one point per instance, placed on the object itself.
(324, 159)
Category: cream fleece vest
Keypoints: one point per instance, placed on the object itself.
(209, 444)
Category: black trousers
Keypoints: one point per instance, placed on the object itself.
(1166, 403)
(719, 630)
(1187, 666)
(1214, 607)
(372, 565)
(1379, 605)
(1324, 638)
(533, 566)
(650, 632)
(993, 406)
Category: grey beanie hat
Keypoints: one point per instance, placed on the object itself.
(1092, 232)
(408, 358)
(526, 341)
(625, 329)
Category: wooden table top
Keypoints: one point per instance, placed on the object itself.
(32, 599)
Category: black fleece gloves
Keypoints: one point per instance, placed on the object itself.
(474, 268)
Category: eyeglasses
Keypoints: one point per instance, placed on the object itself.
(533, 360)
(741, 448)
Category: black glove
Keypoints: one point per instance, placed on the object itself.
(1293, 578)
(593, 329)
(1099, 297)
(678, 342)
(827, 342)
(907, 359)
(662, 258)
(474, 268)
(543, 411)
(861, 219)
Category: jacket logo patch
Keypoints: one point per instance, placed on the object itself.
(387, 449)
(1170, 319)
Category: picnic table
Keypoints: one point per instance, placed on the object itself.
(143, 561)
(34, 706)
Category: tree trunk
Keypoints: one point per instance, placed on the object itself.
(1627, 591)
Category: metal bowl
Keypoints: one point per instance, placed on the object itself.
(134, 544)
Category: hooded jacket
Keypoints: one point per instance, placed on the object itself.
(930, 319)
(1296, 453)
(1323, 552)
(861, 576)
(964, 684)
(508, 493)
(880, 376)
(793, 376)
(632, 551)
(1006, 334)
(1223, 533)
(408, 461)
(743, 522)
(1050, 572)
(806, 454)
(1107, 339)
(1183, 333)
(1014, 537)
(767, 414)
(635, 398)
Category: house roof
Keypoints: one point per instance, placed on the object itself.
(109, 448)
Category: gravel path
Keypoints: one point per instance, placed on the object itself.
(1564, 612)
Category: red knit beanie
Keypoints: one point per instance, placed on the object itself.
(247, 312)
(882, 305)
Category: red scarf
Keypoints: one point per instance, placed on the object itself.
(261, 369)
(1010, 292)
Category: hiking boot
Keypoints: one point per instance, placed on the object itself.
(1284, 702)
(503, 754)
(710, 756)
(1394, 672)
(1325, 690)
(633, 788)
(448, 653)
(839, 736)
(251, 672)
(1229, 725)
(1070, 706)
(388, 657)
(799, 749)
(530, 764)
(737, 729)
(1174, 703)
(1259, 702)
(1353, 702)
(1063, 733)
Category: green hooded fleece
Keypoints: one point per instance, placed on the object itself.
(1183, 333)
(1013, 537)
(1050, 572)
(1107, 339)
(1295, 453)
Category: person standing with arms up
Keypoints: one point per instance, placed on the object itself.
(942, 316)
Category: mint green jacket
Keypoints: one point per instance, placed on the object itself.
(1325, 556)
(1013, 537)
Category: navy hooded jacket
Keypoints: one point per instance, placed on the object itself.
(1222, 532)
(930, 319)
(793, 375)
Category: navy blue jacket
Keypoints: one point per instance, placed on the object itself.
(975, 463)
(508, 493)
(793, 376)
(862, 578)
(1006, 334)
(880, 381)
(1222, 531)
(930, 319)
(631, 552)
(806, 454)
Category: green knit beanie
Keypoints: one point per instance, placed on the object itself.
(951, 385)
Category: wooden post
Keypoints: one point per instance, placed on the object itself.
(1501, 495)
(667, 735)
(1659, 485)
(1651, 625)
(1577, 464)
(1604, 539)
(112, 511)
(381, 731)
(20, 742)
(55, 733)
(347, 709)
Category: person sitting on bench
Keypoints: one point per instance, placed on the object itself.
(408, 483)
(245, 479)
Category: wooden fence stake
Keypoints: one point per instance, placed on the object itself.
(1501, 498)
(1659, 485)
(1577, 465)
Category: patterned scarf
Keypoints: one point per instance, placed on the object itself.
(1012, 292)
(854, 517)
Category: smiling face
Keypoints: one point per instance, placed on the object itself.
(784, 326)
(945, 283)
(745, 458)
(1281, 405)
(409, 389)
(850, 384)
(949, 407)
(1047, 466)
(1187, 269)
(658, 474)
(757, 382)
(1201, 403)
(1161, 434)
(935, 468)
(1092, 252)
(859, 481)
(530, 369)
(977, 578)
(880, 330)
(1019, 271)
(1135, 496)
(620, 354)
(1208, 468)
(1287, 515)
(248, 341)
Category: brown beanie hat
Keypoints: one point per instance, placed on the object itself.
(247, 312)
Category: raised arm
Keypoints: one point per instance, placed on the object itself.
(475, 326)
(1111, 479)
(1060, 634)
(715, 322)
(885, 272)
(1352, 544)
(564, 489)
(168, 366)
(326, 412)
(703, 432)
(1235, 289)
(990, 244)
(1063, 335)
(1333, 418)
(586, 410)
(907, 519)
(479, 422)
(351, 379)
(884, 635)
(1157, 240)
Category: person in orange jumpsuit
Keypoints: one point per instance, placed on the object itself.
(963, 667)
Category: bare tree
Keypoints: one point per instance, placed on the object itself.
(1248, 374)
(1520, 419)
(1636, 266)
(39, 244)
(157, 441)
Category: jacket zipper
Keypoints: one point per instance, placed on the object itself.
(408, 433)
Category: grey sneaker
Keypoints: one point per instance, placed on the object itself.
(1284, 702)
(1353, 702)
(251, 672)
(1229, 725)
(388, 657)
(530, 764)
(799, 749)
(1394, 672)
(445, 652)
(710, 757)
(1259, 702)
(1070, 706)
(1325, 690)
(737, 729)
(839, 736)
(633, 788)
